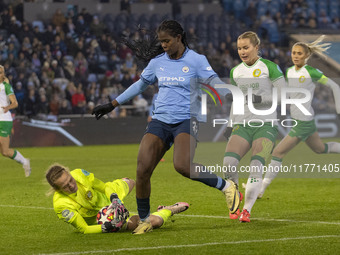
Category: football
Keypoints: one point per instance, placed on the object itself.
(105, 215)
(116, 214)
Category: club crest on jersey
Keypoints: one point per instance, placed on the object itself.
(185, 69)
(67, 214)
(257, 73)
(89, 195)
(302, 79)
(236, 128)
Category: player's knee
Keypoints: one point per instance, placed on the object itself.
(143, 170)
(156, 221)
(6, 153)
(182, 167)
(319, 150)
(278, 154)
(130, 182)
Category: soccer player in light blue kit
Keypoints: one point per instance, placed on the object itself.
(179, 72)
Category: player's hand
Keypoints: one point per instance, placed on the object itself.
(107, 227)
(255, 99)
(114, 201)
(227, 132)
(100, 110)
(229, 98)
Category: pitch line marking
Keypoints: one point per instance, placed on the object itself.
(201, 216)
(263, 219)
(195, 245)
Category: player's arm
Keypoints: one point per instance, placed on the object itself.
(12, 98)
(335, 88)
(279, 84)
(77, 221)
(135, 89)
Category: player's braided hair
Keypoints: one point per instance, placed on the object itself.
(149, 47)
(53, 173)
(314, 47)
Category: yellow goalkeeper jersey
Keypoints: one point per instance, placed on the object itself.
(80, 208)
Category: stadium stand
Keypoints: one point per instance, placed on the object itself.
(105, 62)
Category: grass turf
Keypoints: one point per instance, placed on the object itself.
(296, 215)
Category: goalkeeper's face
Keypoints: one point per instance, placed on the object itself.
(66, 183)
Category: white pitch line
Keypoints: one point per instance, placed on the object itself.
(194, 245)
(30, 207)
(262, 219)
(201, 216)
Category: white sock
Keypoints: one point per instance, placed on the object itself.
(333, 147)
(231, 164)
(254, 184)
(19, 158)
(273, 170)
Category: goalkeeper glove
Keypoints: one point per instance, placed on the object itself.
(100, 110)
(227, 132)
(255, 99)
(229, 97)
(107, 227)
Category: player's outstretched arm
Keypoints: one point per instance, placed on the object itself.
(135, 89)
(80, 224)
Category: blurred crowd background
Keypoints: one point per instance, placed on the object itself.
(75, 61)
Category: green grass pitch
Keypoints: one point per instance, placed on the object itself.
(296, 215)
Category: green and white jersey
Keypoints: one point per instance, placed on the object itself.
(305, 78)
(5, 91)
(261, 77)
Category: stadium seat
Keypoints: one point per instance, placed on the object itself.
(333, 9)
(133, 21)
(119, 26)
(92, 77)
(40, 24)
(261, 9)
(274, 7)
(4, 34)
(228, 5)
(69, 58)
(239, 9)
(143, 21)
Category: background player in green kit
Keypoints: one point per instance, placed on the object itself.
(78, 196)
(8, 101)
(261, 76)
(303, 76)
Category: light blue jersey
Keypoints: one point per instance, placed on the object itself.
(179, 88)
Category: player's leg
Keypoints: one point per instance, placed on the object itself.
(157, 219)
(318, 146)
(151, 150)
(236, 148)
(286, 145)
(184, 152)
(264, 138)
(14, 154)
(130, 182)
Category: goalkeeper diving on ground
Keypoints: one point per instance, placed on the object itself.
(78, 196)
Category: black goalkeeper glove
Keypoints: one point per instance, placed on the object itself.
(107, 227)
(255, 98)
(229, 97)
(227, 132)
(100, 110)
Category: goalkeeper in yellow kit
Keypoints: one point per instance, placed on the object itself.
(78, 196)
